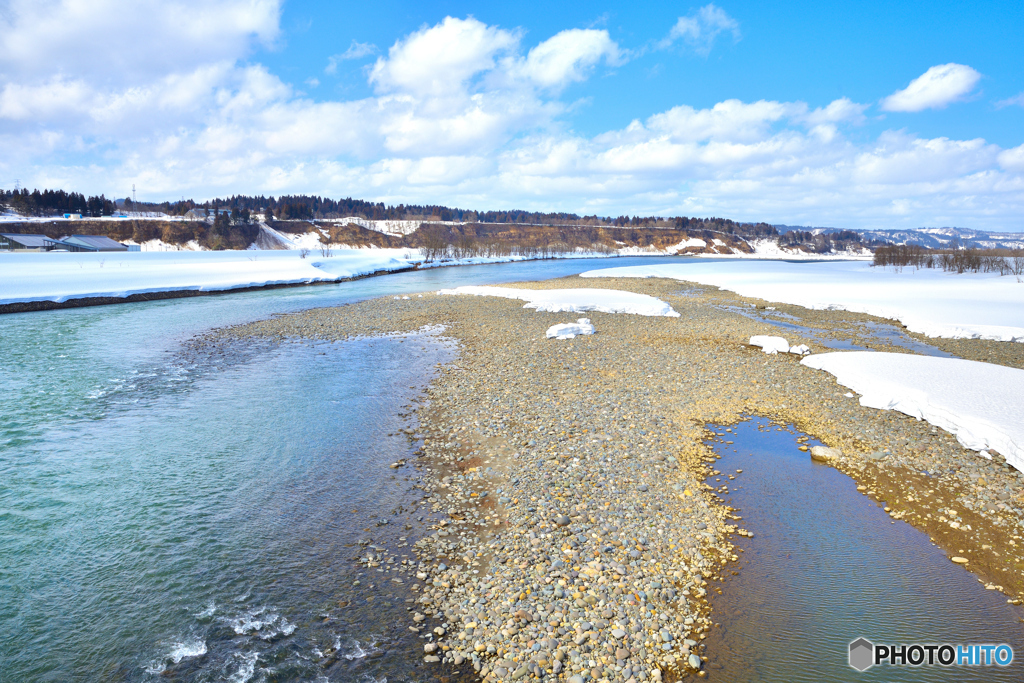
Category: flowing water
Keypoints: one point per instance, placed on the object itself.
(168, 516)
(826, 565)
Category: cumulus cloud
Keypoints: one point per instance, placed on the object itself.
(936, 88)
(1012, 159)
(442, 58)
(837, 111)
(114, 43)
(567, 57)
(700, 29)
(468, 114)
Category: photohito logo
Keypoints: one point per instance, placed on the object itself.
(864, 654)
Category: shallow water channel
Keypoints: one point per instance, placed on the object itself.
(880, 333)
(825, 566)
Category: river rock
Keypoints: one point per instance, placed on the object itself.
(824, 453)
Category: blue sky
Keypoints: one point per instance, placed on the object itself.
(860, 115)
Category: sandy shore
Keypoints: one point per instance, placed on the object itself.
(575, 532)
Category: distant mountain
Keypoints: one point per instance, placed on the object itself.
(934, 238)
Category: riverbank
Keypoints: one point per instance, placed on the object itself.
(574, 530)
(49, 281)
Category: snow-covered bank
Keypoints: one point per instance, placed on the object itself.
(982, 404)
(58, 277)
(930, 302)
(769, 250)
(576, 300)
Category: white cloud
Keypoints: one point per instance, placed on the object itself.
(936, 88)
(442, 59)
(836, 111)
(114, 43)
(1012, 159)
(702, 28)
(356, 50)
(1016, 100)
(567, 57)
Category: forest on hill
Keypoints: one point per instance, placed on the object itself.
(232, 223)
(312, 207)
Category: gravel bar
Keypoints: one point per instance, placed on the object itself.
(574, 535)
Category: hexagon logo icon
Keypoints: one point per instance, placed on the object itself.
(861, 654)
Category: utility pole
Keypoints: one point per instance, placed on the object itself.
(135, 214)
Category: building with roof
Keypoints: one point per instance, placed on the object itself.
(16, 242)
(85, 243)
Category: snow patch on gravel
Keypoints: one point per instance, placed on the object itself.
(773, 345)
(571, 330)
(576, 300)
(981, 403)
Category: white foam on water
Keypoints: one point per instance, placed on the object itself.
(246, 668)
(190, 647)
(251, 621)
(195, 647)
(357, 651)
(210, 610)
(156, 667)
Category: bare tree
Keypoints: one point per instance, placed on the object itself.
(1016, 263)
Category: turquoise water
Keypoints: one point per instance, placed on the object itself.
(172, 516)
(826, 565)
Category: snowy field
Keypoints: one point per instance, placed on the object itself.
(62, 276)
(927, 301)
(576, 300)
(982, 404)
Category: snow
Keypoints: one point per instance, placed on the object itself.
(61, 276)
(571, 330)
(769, 249)
(982, 404)
(928, 301)
(769, 344)
(576, 300)
(389, 227)
(774, 345)
(685, 244)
